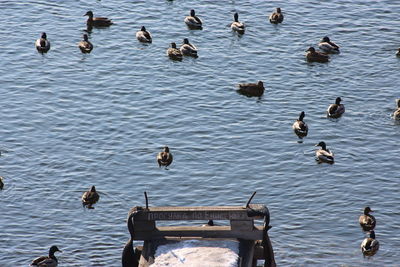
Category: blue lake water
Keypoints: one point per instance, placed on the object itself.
(71, 120)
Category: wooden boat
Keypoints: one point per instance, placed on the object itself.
(253, 239)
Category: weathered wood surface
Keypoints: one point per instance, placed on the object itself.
(256, 211)
(198, 231)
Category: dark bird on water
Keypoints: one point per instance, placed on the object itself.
(85, 46)
(90, 197)
(98, 21)
(47, 261)
(300, 128)
(251, 89)
(42, 44)
(367, 221)
(164, 158)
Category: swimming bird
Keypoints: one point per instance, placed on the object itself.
(276, 17)
(98, 21)
(335, 110)
(193, 21)
(1, 183)
(324, 154)
(300, 128)
(398, 53)
(90, 197)
(314, 56)
(370, 245)
(164, 158)
(85, 46)
(42, 44)
(143, 35)
(236, 25)
(47, 261)
(396, 114)
(367, 221)
(327, 46)
(174, 53)
(251, 89)
(188, 49)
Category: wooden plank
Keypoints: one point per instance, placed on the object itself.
(202, 213)
(241, 225)
(197, 231)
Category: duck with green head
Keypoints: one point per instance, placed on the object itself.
(300, 128)
(327, 46)
(42, 44)
(85, 45)
(276, 17)
(193, 21)
(188, 49)
(144, 36)
(323, 154)
(370, 245)
(47, 261)
(236, 25)
(335, 110)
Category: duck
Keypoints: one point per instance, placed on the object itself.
(1, 183)
(164, 158)
(335, 110)
(47, 261)
(174, 53)
(314, 56)
(42, 44)
(251, 89)
(324, 154)
(276, 17)
(396, 113)
(188, 49)
(98, 21)
(85, 46)
(327, 46)
(370, 245)
(90, 197)
(300, 128)
(193, 21)
(367, 221)
(143, 36)
(236, 25)
(398, 53)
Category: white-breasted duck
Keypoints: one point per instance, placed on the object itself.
(193, 21)
(42, 44)
(276, 17)
(188, 49)
(335, 110)
(370, 245)
(47, 261)
(144, 36)
(237, 25)
(85, 45)
(327, 46)
(396, 113)
(300, 128)
(323, 154)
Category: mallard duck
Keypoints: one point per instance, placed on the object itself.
(398, 53)
(90, 197)
(370, 245)
(300, 128)
(42, 44)
(327, 46)
(47, 261)
(367, 221)
(324, 154)
(335, 110)
(236, 25)
(85, 46)
(174, 53)
(164, 158)
(1, 183)
(314, 56)
(276, 17)
(97, 22)
(188, 49)
(396, 114)
(143, 35)
(193, 21)
(251, 89)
